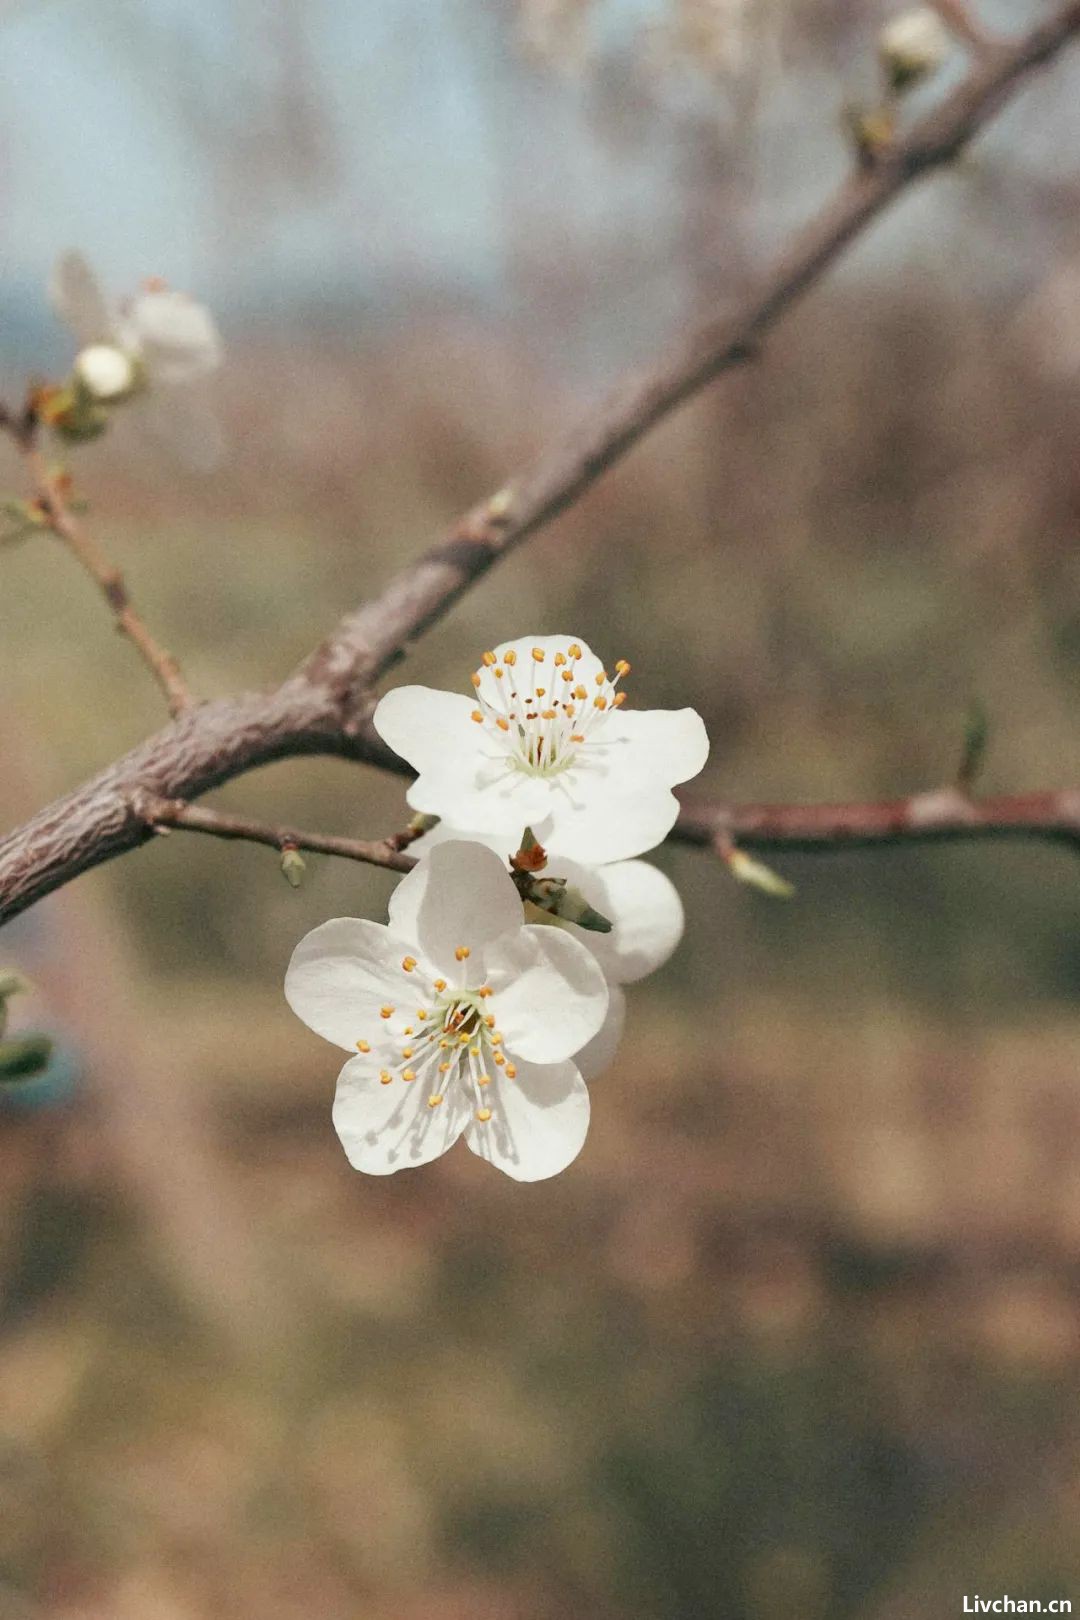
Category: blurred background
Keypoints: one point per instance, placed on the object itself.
(799, 1333)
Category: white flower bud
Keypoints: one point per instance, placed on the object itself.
(105, 371)
(913, 45)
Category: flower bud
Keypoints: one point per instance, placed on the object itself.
(912, 46)
(23, 1057)
(106, 372)
(746, 869)
(293, 866)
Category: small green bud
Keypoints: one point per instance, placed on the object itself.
(293, 866)
(745, 869)
(573, 907)
(23, 1057)
(421, 823)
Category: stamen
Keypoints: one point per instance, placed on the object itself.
(484, 991)
(410, 1074)
(483, 1115)
(502, 723)
(386, 1012)
(408, 963)
(622, 667)
(560, 659)
(510, 657)
(406, 1051)
(483, 1079)
(440, 985)
(574, 651)
(435, 1099)
(489, 659)
(538, 654)
(477, 716)
(511, 1072)
(475, 679)
(462, 953)
(385, 1076)
(618, 700)
(362, 1046)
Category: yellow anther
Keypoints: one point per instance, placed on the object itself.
(549, 714)
(484, 991)
(477, 716)
(510, 657)
(440, 985)
(407, 1030)
(499, 1059)
(498, 674)
(385, 1076)
(408, 1074)
(560, 659)
(511, 1072)
(421, 1012)
(567, 674)
(622, 667)
(580, 692)
(541, 691)
(483, 1079)
(576, 736)
(489, 659)
(502, 723)
(483, 1115)
(435, 1099)
(496, 1038)
(444, 1068)
(574, 651)
(463, 1040)
(599, 702)
(386, 1012)
(618, 700)
(362, 1046)
(408, 963)
(538, 654)
(474, 1051)
(462, 953)
(475, 678)
(601, 679)
(445, 1044)
(406, 1051)
(489, 1021)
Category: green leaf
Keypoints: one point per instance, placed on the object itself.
(24, 1056)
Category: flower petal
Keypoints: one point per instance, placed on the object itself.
(388, 1128)
(428, 728)
(339, 977)
(76, 296)
(461, 894)
(643, 907)
(539, 1122)
(176, 336)
(598, 1055)
(550, 996)
(673, 742)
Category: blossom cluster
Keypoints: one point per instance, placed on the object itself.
(485, 1003)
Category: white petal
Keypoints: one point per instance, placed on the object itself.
(550, 996)
(539, 1122)
(598, 1055)
(77, 298)
(461, 895)
(176, 336)
(673, 741)
(340, 975)
(643, 907)
(426, 727)
(388, 1128)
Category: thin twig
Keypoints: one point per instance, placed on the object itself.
(161, 814)
(940, 816)
(69, 528)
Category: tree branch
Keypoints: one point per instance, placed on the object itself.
(163, 814)
(325, 707)
(939, 816)
(64, 524)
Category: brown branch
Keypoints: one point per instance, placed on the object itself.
(939, 816)
(325, 707)
(67, 527)
(163, 814)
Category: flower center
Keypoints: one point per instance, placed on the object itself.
(541, 726)
(448, 1039)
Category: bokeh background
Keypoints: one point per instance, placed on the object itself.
(799, 1333)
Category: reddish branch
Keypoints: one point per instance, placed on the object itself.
(325, 706)
(924, 818)
(162, 814)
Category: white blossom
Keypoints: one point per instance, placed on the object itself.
(463, 1017)
(546, 742)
